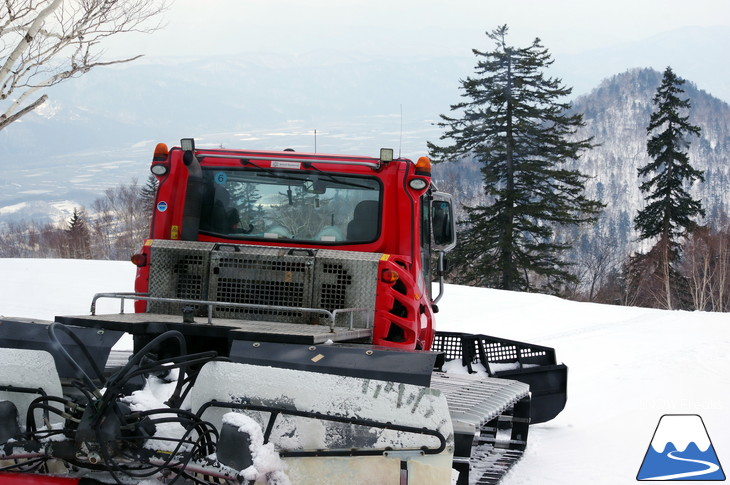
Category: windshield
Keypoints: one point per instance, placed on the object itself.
(312, 207)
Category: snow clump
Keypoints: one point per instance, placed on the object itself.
(267, 464)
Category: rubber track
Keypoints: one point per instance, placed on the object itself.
(474, 402)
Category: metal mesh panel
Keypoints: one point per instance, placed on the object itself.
(332, 294)
(189, 283)
(477, 348)
(178, 270)
(346, 279)
(261, 276)
(453, 346)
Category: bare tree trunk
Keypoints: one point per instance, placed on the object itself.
(697, 269)
(27, 38)
(721, 281)
(667, 273)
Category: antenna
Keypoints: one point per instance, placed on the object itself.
(315, 140)
(400, 140)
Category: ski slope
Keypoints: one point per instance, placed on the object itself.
(628, 366)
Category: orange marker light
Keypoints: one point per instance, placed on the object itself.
(423, 166)
(389, 276)
(161, 153)
(160, 165)
(139, 259)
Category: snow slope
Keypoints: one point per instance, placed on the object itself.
(628, 366)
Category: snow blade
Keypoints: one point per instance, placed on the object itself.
(88, 348)
(331, 429)
(534, 365)
(24, 376)
(548, 388)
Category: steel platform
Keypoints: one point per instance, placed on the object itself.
(152, 323)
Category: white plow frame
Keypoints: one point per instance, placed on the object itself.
(412, 441)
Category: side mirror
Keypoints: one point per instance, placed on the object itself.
(443, 225)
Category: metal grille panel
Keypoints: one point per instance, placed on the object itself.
(261, 276)
(258, 275)
(332, 295)
(178, 270)
(346, 279)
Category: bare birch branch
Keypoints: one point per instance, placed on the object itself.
(45, 42)
(6, 120)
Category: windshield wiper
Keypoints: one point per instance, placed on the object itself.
(332, 178)
(275, 174)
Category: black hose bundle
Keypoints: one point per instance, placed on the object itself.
(110, 433)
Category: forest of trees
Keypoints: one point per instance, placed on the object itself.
(685, 260)
(670, 257)
(702, 274)
(113, 230)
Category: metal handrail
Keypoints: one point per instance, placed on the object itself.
(330, 315)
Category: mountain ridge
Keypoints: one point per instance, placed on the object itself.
(616, 114)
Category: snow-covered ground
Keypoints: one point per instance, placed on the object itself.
(628, 366)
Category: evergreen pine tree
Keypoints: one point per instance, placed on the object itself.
(78, 238)
(148, 193)
(514, 122)
(670, 209)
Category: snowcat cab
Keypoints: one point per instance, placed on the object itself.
(283, 300)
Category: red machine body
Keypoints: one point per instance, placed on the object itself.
(307, 267)
(401, 229)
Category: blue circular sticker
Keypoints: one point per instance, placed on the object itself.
(221, 178)
(162, 206)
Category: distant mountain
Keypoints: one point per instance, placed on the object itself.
(616, 114)
(99, 130)
(242, 100)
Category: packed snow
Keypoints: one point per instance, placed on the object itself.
(628, 366)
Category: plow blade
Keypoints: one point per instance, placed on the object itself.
(303, 422)
(26, 375)
(77, 349)
(531, 364)
(331, 429)
(548, 385)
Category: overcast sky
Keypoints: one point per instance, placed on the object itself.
(411, 27)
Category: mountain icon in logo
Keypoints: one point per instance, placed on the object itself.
(681, 450)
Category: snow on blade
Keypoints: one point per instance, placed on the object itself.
(267, 465)
(153, 396)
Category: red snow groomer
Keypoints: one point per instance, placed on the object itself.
(284, 302)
